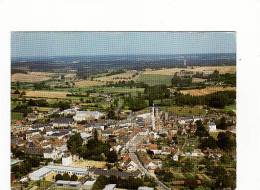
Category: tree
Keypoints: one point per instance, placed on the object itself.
(16, 91)
(189, 165)
(66, 177)
(100, 183)
(74, 143)
(73, 178)
(95, 134)
(201, 131)
(58, 177)
(226, 141)
(222, 124)
(208, 142)
(112, 156)
(111, 113)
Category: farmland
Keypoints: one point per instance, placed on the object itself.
(88, 83)
(204, 69)
(125, 76)
(45, 94)
(207, 90)
(32, 77)
(154, 79)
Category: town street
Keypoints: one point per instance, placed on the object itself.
(131, 146)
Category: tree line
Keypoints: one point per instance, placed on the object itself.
(215, 100)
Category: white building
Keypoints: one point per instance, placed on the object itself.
(88, 185)
(67, 160)
(87, 115)
(45, 170)
(52, 154)
(145, 188)
(110, 187)
(212, 127)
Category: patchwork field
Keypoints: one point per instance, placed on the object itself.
(118, 90)
(172, 71)
(154, 79)
(207, 90)
(128, 75)
(46, 94)
(31, 77)
(88, 83)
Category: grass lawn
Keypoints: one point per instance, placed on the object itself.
(155, 79)
(185, 110)
(230, 108)
(44, 109)
(214, 134)
(44, 185)
(189, 175)
(16, 116)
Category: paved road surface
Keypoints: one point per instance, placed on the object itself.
(131, 146)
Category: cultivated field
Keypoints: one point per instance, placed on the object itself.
(155, 79)
(31, 77)
(207, 90)
(45, 94)
(205, 69)
(198, 80)
(88, 83)
(127, 76)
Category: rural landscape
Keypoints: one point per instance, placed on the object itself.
(139, 121)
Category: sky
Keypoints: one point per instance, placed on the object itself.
(44, 44)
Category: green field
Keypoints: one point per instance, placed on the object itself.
(118, 90)
(152, 79)
(16, 116)
(230, 108)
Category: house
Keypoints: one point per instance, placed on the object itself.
(85, 136)
(30, 134)
(68, 184)
(32, 117)
(87, 115)
(53, 154)
(56, 169)
(212, 127)
(59, 134)
(67, 160)
(110, 187)
(62, 122)
(88, 185)
(19, 128)
(71, 111)
(94, 172)
(175, 157)
(145, 188)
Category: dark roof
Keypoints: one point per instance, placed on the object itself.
(63, 120)
(37, 125)
(113, 172)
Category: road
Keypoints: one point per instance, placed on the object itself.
(131, 146)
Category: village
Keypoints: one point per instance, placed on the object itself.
(159, 120)
(143, 143)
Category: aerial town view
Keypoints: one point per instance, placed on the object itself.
(123, 110)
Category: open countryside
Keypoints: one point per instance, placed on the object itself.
(139, 121)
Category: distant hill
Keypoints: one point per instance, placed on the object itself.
(89, 65)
